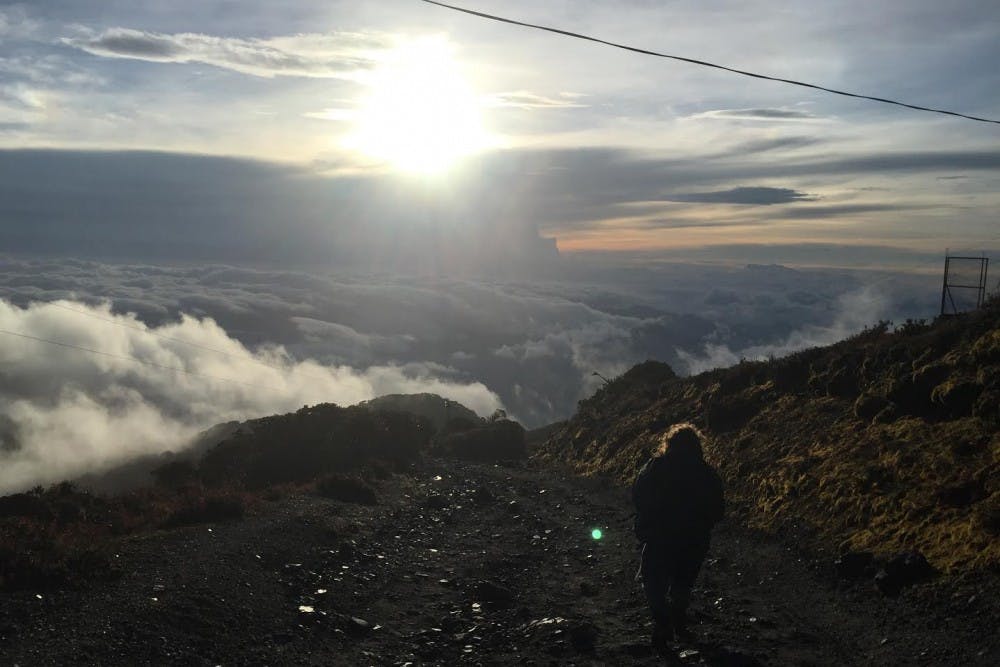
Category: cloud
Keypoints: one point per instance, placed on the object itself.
(772, 144)
(905, 161)
(523, 99)
(854, 311)
(451, 329)
(336, 55)
(761, 114)
(198, 207)
(67, 411)
(488, 221)
(15, 22)
(534, 343)
(21, 98)
(341, 340)
(838, 211)
(760, 196)
(336, 114)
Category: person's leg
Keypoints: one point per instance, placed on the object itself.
(654, 584)
(682, 578)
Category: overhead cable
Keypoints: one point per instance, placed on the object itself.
(704, 63)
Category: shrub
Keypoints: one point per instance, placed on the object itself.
(305, 445)
(39, 559)
(206, 509)
(496, 441)
(912, 327)
(348, 489)
(28, 505)
(869, 405)
(987, 515)
(175, 474)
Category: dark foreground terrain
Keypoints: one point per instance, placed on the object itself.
(476, 564)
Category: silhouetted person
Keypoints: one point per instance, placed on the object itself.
(678, 498)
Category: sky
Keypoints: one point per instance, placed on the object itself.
(600, 149)
(221, 210)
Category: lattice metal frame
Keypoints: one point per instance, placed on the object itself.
(947, 295)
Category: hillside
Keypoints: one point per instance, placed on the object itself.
(441, 412)
(356, 536)
(885, 442)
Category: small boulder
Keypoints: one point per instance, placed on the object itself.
(489, 592)
(358, 626)
(855, 564)
(903, 570)
(583, 636)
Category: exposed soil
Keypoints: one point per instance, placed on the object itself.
(477, 564)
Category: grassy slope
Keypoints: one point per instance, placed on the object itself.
(883, 442)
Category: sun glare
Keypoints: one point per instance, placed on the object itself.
(420, 114)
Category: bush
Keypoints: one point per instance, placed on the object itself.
(41, 560)
(869, 405)
(305, 445)
(347, 489)
(175, 474)
(206, 509)
(496, 441)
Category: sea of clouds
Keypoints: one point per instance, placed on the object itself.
(102, 363)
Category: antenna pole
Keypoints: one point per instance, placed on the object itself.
(944, 286)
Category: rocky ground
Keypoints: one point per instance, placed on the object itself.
(477, 564)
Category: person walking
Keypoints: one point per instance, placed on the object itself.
(678, 498)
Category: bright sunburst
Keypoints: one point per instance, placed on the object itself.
(420, 114)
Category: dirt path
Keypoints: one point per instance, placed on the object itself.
(466, 564)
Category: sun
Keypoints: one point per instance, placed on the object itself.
(419, 114)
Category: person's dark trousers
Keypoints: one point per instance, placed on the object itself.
(669, 571)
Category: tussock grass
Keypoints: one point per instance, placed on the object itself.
(887, 441)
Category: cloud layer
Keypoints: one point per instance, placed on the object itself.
(854, 311)
(535, 344)
(141, 390)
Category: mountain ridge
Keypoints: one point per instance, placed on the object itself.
(886, 442)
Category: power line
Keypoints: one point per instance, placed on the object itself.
(704, 63)
(132, 359)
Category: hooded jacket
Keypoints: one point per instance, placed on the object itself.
(678, 498)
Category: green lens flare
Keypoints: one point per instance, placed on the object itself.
(596, 533)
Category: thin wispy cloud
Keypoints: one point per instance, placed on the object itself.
(336, 55)
(840, 210)
(15, 23)
(523, 99)
(757, 196)
(761, 114)
(21, 97)
(333, 114)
